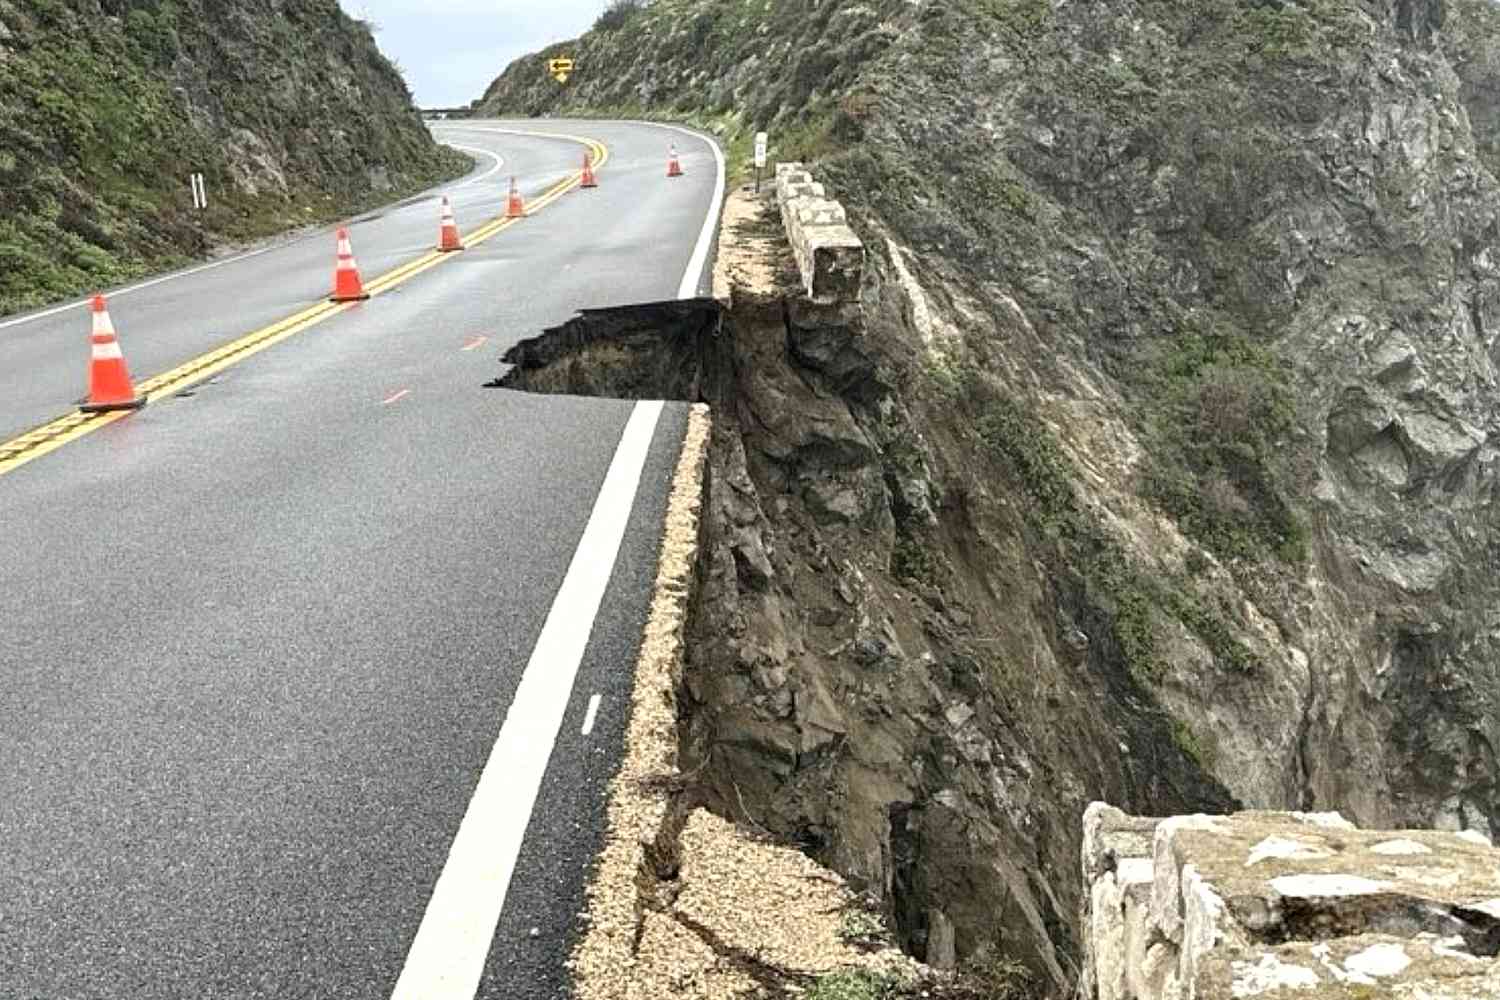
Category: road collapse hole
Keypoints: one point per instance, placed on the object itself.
(675, 350)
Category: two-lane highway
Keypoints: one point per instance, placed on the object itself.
(261, 642)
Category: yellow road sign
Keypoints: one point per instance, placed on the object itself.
(560, 69)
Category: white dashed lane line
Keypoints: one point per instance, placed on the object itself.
(588, 717)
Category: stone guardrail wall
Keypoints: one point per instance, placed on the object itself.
(1285, 905)
(830, 256)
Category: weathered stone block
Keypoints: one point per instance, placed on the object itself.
(1285, 904)
(833, 262)
(1110, 834)
(819, 212)
(829, 254)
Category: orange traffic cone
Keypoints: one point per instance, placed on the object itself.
(448, 238)
(109, 380)
(515, 208)
(674, 166)
(588, 172)
(347, 286)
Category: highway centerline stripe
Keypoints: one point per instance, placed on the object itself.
(47, 438)
(593, 711)
(447, 955)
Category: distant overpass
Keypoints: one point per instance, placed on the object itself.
(440, 113)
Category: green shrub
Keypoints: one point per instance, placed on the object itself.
(1220, 416)
(617, 14)
(854, 984)
(1204, 752)
(859, 926)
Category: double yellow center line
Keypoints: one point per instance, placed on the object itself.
(53, 435)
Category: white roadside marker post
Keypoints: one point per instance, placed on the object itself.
(760, 157)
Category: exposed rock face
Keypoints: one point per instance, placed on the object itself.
(1273, 904)
(286, 106)
(1156, 465)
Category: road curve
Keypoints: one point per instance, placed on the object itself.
(258, 641)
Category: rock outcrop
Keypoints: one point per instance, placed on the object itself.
(1263, 904)
(286, 107)
(1156, 464)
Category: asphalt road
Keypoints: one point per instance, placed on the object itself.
(606, 248)
(257, 641)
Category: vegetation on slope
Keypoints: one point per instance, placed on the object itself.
(288, 109)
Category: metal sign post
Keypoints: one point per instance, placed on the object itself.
(760, 157)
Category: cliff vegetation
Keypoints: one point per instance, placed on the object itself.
(286, 107)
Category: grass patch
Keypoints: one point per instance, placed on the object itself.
(861, 927)
(855, 984)
(1219, 416)
(1204, 752)
(1139, 605)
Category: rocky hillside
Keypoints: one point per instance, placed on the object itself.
(1157, 467)
(286, 106)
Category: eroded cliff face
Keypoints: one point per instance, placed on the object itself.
(286, 106)
(1156, 465)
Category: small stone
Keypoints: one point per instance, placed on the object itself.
(536, 932)
(1269, 974)
(1280, 847)
(958, 714)
(1330, 820)
(1401, 846)
(1325, 885)
(1379, 960)
(942, 953)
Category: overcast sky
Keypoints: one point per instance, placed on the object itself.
(450, 50)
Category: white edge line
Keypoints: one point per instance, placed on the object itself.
(589, 716)
(694, 273)
(447, 955)
(33, 317)
(211, 265)
(499, 162)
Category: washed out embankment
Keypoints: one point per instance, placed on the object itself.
(844, 688)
